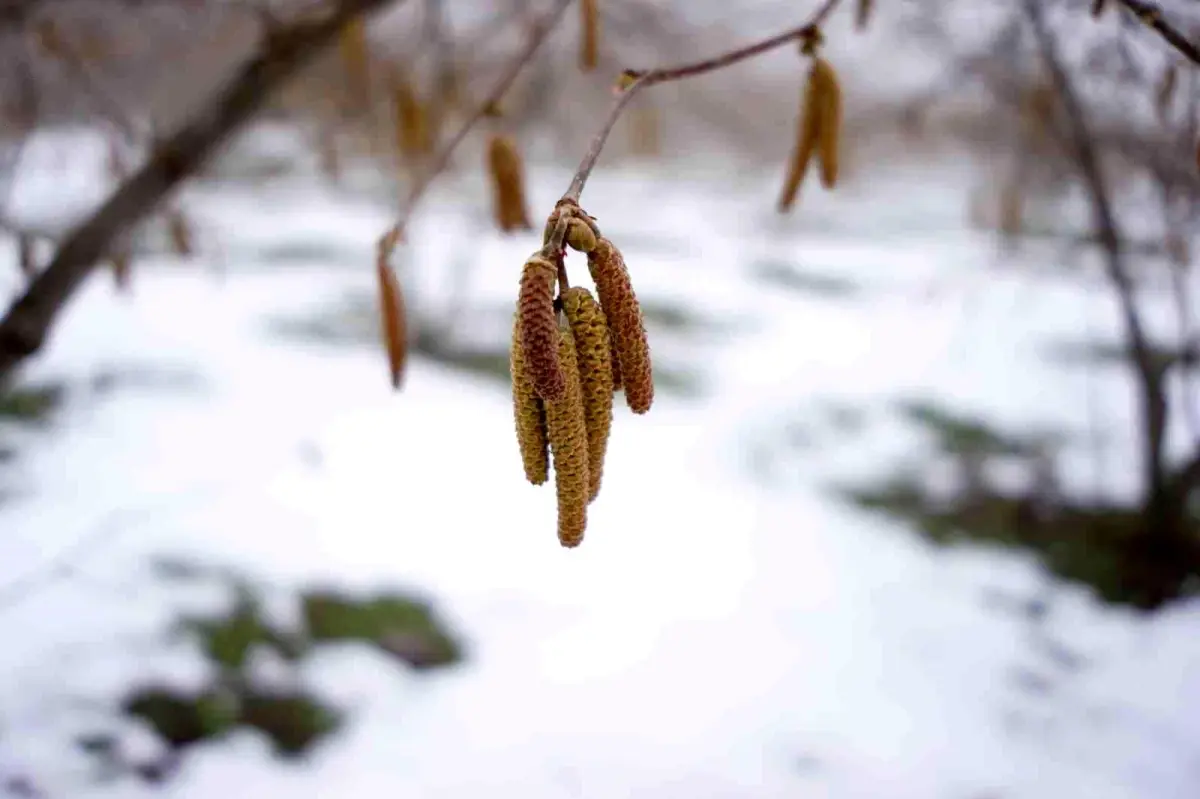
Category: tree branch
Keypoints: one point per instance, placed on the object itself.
(1154, 409)
(25, 327)
(645, 80)
(1152, 17)
(538, 33)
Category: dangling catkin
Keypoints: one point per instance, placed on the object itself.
(589, 45)
(356, 64)
(807, 135)
(566, 427)
(393, 321)
(411, 124)
(508, 184)
(862, 14)
(529, 413)
(625, 323)
(539, 328)
(122, 268)
(829, 132)
(180, 234)
(593, 349)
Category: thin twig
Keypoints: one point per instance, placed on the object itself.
(103, 100)
(1154, 409)
(664, 75)
(538, 33)
(1151, 16)
(26, 325)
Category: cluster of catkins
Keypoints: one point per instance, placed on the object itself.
(569, 355)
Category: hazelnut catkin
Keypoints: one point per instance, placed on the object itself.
(506, 170)
(529, 413)
(829, 134)
(625, 323)
(539, 328)
(593, 350)
(807, 134)
(356, 59)
(589, 45)
(566, 427)
(180, 233)
(393, 321)
(862, 14)
(819, 131)
(410, 121)
(580, 236)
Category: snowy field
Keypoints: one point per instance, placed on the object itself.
(726, 630)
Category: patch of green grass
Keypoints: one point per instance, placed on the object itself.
(1108, 547)
(31, 404)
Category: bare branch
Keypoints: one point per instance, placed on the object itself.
(537, 34)
(645, 80)
(1152, 17)
(24, 328)
(1150, 375)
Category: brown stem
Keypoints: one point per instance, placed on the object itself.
(1154, 407)
(1152, 16)
(666, 74)
(26, 325)
(537, 34)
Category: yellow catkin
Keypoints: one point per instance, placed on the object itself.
(566, 427)
(180, 233)
(807, 135)
(539, 328)
(829, 133)
(593, 348)
(625, 324)
(507, 173)
(356, 62)
(411, 124)
(529, 414)
(589, 44)
(862, 14)
(121, 263)
(393, 321)
(580, 235)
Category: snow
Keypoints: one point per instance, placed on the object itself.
(717, 635)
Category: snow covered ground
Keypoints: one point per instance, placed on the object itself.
(718, 634)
